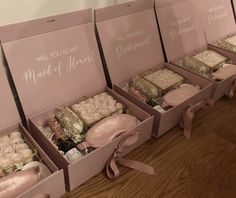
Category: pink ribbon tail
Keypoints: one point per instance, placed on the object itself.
(188, 115)
(137, 166)
(112, 169)
(83, 146)
(187, 121)
(231, 92)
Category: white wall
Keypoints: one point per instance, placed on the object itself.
(13, 11)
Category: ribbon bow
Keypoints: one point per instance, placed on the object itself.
(111, 167)
(188, 115)
(232, 90)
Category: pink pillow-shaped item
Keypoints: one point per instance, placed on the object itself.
(109, 128)
(225, 72)
(177, 96)
(18, 182)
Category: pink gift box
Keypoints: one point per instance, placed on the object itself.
(55, 61)
(183, 34)
(131, 45)
(10, 121)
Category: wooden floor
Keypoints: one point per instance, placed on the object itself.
(202, 167)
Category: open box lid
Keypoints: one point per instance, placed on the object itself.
(180, 27)
(129, 37)
(217, 17)
(53, 59)
(9, 113)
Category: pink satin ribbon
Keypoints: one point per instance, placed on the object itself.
(188, 115)
(111, 167)
(232, 90)
(83, 146)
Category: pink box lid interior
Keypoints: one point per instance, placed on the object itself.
(9, 113)
(217, 17)
(129, 37)
(180, 28)
(53, 60)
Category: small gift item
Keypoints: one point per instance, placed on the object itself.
(145, 87)
(73, 155)
(225, 45)
(159, 109)
(228, 44)
(96, 108)
(231, 40)
(56, 129)
(18, 182)
(225, 72)
(138, 94)
(71, 123)
(204, 63)
(165, 79)
(195, 65)
(211, 59)
(178, 96)
(63, 142)
(105, 131)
